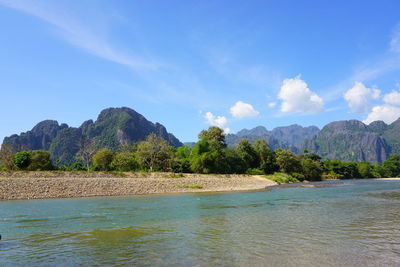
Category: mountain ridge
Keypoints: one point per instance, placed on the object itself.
(346, 139)
(113, 127)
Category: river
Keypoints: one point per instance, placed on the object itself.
(355, 222)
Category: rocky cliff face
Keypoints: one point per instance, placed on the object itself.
(345, 140)
(392, 136)
(288, 137)
(114, 127)
(40, 137)
(353, 140)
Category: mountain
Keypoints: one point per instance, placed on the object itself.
(288, 137)
(294, 135)
(392, 136)
(114, 127)
(346, 140)
(356, 141)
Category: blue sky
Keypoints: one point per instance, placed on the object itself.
(191, 64)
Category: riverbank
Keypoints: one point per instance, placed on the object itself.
(41, 185)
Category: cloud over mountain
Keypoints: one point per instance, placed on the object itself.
(297, 97)
(243, 110)
(359, 97)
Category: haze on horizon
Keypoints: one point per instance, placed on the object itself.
(192, 64)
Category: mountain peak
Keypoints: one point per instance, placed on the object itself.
(113, 128)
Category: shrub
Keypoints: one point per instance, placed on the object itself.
(255, 171)
(77, 166)
(40, 161)
(177, 175)
(298, 176)
(282, 178)
(22, 159)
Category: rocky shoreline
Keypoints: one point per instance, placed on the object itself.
(42, 185)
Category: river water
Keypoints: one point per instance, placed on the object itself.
(351, 223)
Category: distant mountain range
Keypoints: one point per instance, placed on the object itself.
(345, 140)
(113, 127)
(289, 137)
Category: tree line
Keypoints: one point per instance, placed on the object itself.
(209, 155)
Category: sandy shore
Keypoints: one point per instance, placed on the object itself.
(41, 185)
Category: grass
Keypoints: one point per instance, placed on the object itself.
(119, 174)
(282, 178)
(190, 186)
(176, 175)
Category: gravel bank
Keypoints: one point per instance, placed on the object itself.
(40, 185)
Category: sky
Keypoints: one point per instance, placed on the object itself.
(192, 64)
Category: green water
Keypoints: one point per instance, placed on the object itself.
(356, 224)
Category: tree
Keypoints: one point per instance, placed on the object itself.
(6, 155)
(22, 159)
(391, 166)
(365, 169)
(125, 161)
(350, 170)
(215, 136)
(334, 167)
(311, 169)
(182, 162)
(154, 153)
(87, 150)
(266, 157)
(247, 153)
(378, 171)
(286, 161)
(102, 159)
(234, 161)
(40, 161)
(312, 156)
(207, 157)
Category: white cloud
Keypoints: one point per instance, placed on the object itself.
(359, 97)
(243, 110)
(386, 113)
(392, 98)
(80, 34)
(272, 104)
(395, 41)
(297, 97)
(219, 121)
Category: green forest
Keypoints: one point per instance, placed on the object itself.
(210, 155)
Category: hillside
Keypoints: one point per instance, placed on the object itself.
(356, 141)
(287, 137)
(114, 127)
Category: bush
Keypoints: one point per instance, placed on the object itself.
(255, 171)
(102, 159)
(77, 166)
(282, 178)
(298, 176)
(40, 161)
(22, 159)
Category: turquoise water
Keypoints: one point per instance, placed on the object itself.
(356, 223)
